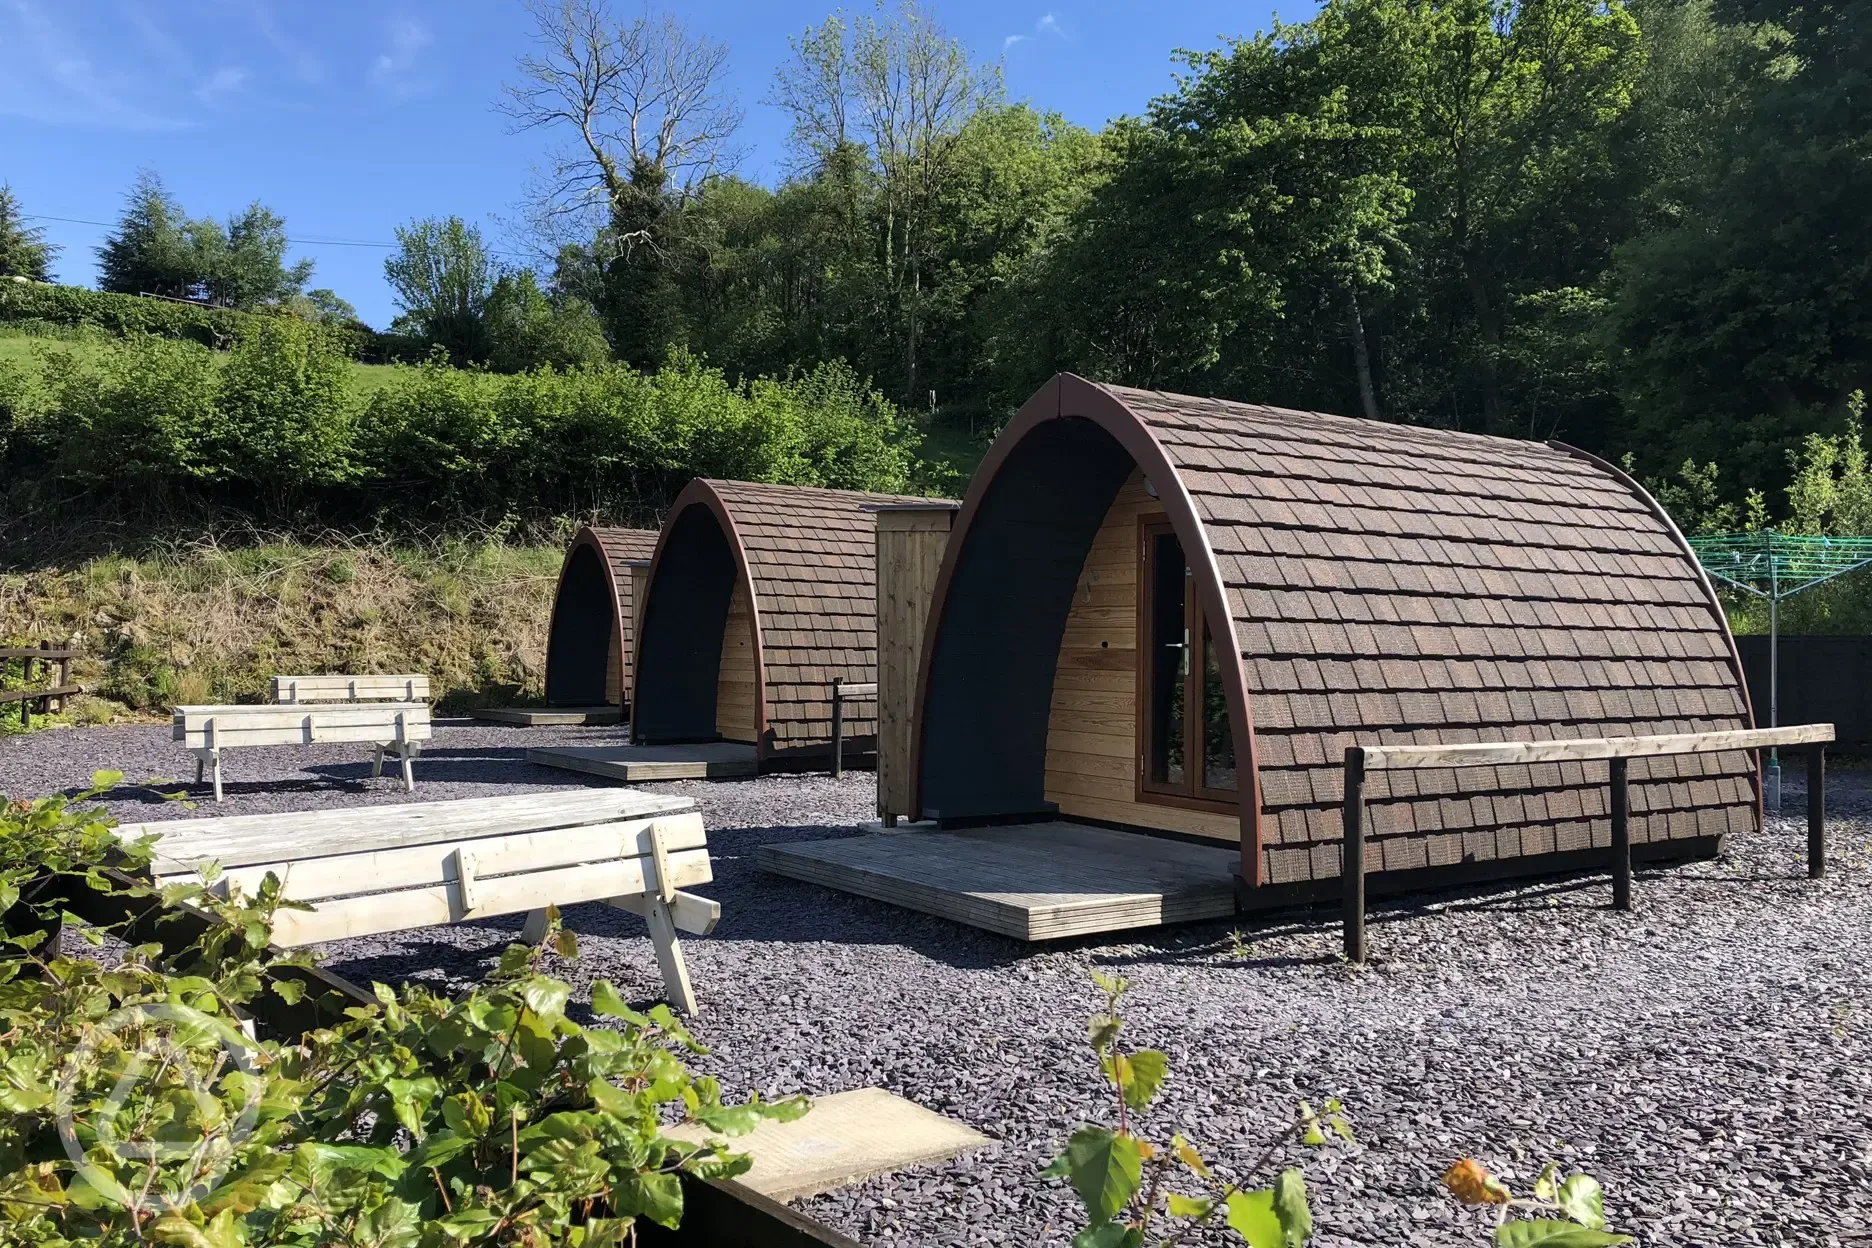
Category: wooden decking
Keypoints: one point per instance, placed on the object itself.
(634, 764)
(551, 716)
(1031, 881)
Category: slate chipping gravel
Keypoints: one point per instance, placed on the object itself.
(1709, 1058)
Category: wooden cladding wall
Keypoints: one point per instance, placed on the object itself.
(737, 684)
(1092, 746)
(614, 669)
(640, 594)
(910, 546)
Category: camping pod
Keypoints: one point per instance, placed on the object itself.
(757, 598)
(1173, 615)
(591, 638)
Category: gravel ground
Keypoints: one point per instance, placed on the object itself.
(1709, 1058)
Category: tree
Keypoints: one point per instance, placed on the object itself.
(324, 306)
(249, 268)
(150, 250)
(897, 89)
(442, 276)
(23, 249)
(640, 93)
(651, 119)
(1745, 323)
(525, 328)
(1518, 102)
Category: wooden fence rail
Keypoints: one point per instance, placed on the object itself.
(46, 657)
(841, 694)
(1617, 752)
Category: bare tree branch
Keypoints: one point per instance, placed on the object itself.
(626, 94)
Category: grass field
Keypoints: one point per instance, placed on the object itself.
(28, 351)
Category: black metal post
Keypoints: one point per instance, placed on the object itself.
(1353, 866)
(838, 729)
(1621, 836)
(1816, 811)
(26, 680)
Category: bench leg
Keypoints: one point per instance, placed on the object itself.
(215, 761)
(669, 956)
(407, 752)
(376, 767)
(535, 929)
(198, 770)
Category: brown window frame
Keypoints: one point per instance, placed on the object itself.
(1187, 795)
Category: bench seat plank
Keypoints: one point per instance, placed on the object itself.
(375, 913)
(343, 875)
(245, 840)
(291, 690)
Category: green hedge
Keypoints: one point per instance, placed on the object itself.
(271, 428)
(40, 304)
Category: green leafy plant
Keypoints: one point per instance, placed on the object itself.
(1562, 1213)
(137, 1106)
(1129, 1184)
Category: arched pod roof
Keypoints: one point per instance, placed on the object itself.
(805, 558)
(1384, 583)
(590, 634)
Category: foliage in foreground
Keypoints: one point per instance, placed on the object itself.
(135, 1109)
(1577, 1199)
(1127, 1183)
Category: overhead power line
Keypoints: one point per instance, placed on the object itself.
(293, 242)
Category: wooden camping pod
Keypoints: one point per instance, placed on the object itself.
(757, 598)
(592, 635)
(1361, 583)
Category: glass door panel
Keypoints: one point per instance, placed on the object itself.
(1166, 748)
(1218, 740)
(1188, 748)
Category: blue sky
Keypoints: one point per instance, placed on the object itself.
(350, 117)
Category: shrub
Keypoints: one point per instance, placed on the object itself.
(119, 314)
(141, 416)
(286, 415)
(135, 1109)
(36, 304)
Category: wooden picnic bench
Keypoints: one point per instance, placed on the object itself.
(375, 869)
(395, 728)
(296, 689)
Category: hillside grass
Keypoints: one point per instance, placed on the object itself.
(210, 625)
(27, 348)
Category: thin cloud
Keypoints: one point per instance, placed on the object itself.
(398, 68)
(306, 67)
(53, 79)
(223, 81)
(1048, 24)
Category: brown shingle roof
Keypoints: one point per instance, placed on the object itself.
(811, 555)
(1390, 583)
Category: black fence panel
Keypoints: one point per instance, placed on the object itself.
(1824, 680)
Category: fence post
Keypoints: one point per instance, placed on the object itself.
(64, 676)
(838, 728)
(26, 680)
(45, 673)
(1621, 835)
(1816, 811)
(1352, 869)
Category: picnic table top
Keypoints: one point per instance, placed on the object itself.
(244, 840)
